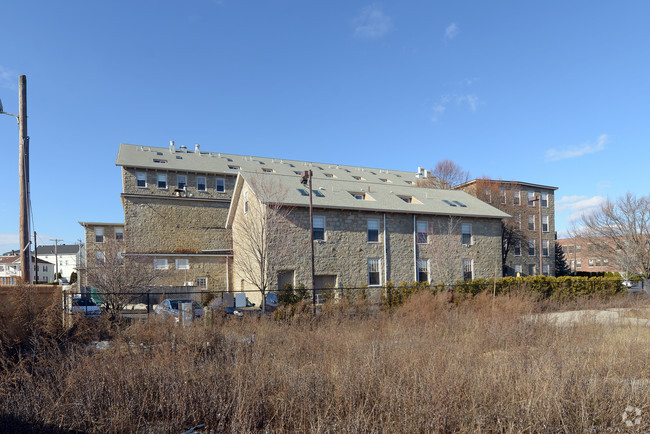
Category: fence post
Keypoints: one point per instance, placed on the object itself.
(148, 305)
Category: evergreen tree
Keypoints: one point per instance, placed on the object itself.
(561, 266)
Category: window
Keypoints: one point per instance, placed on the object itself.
(545, 269)
(517, 248)
(182, 264)
(99, 235)
(516, 198)
(141, 179)
(358, 178)
(518, 221)
(422, 235)
(200, 183)
(468, 269)
(466, 238)
(544, 223)
(544, 200)
(488, 195)
(162, 180)
(202, 282)
(221, 185)
(45, 267)
(518, 270)
(119, 234)
(590, 262)
(544, 247)
(531, 222)
(598, 262)
(448, 202)
(303, 192)
(531, 196)
(502, 195)
(374, 278)
(423, 270)
(233, 167)
(373, 231)
(100, 257)
(531, 247)
(319, 228)
(160, 264)
(181, 181)
(246, 202)
(573, 264)
(578, 263)
(329, 175)
(460, 204)
(532, 269)
(267, 170)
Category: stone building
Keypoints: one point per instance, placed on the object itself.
(181, 208)
(521, 243)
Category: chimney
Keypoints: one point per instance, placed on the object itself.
(172, 149)
(196, 148)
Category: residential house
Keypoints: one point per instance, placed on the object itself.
(68, 257)
(10, 270)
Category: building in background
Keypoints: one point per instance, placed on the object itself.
(10, 268)
(68, 257)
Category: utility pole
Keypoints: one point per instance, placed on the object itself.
(23, 175)
(35, 260)
(56, 257)
(306, 179)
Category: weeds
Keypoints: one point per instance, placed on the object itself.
(427, 366)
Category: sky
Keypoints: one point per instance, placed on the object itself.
(551, 93)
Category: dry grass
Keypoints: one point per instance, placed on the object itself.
(426, 367)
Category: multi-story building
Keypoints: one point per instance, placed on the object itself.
(525, 202)
(68, 257)
(371, 225)
(582, 255)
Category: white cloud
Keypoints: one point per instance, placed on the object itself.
(579, 205)
(577, 151)
(472, 101)
(372, 23)
(451, 32)
(8, 78)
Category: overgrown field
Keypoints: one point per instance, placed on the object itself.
(427, 366)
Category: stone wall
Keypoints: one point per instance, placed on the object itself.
(129, 185)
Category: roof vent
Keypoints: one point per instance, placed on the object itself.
(183, 148)
(172, 149)
(196, 148)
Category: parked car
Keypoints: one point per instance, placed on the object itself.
(170, 306)
(217, 305)
(86, 306)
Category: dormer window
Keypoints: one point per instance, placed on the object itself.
(360, 195)
(411, 199)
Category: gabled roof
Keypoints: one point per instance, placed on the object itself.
(174, 159)
(383, 197)
(62, 249)
(15, 259)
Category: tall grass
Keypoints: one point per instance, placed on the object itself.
(428, 366)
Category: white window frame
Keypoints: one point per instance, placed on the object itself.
(220, 185)
(544, 200)
(545, 225)
(422, 234)
(531, 243)
(532, 222)
(467, 265)
(531, 195)
(423, 267)
(245, 202)
(160, 264)
(141, 176)
(119, 231)
(202, 282)
(99, 235)
(466, 234)
(546, 248)
(374, 267)
(519, 269)
(320, 225)
(516, 247)
(532, 269)
(503, 196)
(161, 181)
(100, 257)
(204, 183)
(182, 264)
(516, 198)
(181, 181)
(373, 229)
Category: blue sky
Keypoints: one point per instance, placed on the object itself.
(551, 92)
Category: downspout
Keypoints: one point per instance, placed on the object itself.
(385, 253)
(228, 274)
(415, 250)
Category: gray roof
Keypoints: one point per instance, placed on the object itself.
(229, 164)
(375, 197)
(504, 182)
(62, 249)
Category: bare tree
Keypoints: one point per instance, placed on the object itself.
(447, 175)
(621, 229)
(259, 229)
(117, 277)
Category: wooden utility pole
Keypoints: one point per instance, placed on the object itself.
(35, 260)
(23, 175)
